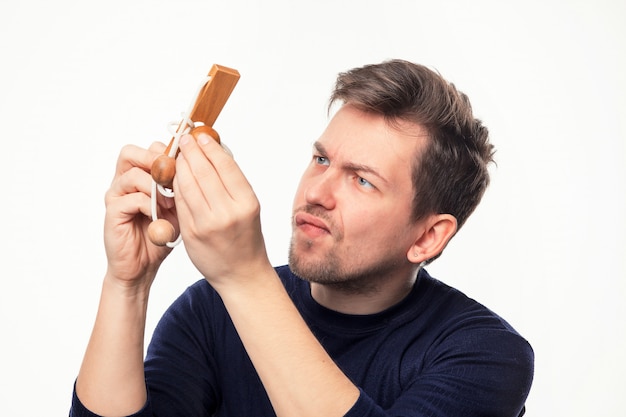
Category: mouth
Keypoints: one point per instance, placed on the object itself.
(310, 224)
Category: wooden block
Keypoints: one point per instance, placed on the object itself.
(213, 96)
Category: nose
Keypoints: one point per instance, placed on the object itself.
(320, 190)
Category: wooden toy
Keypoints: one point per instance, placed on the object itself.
(212, 95)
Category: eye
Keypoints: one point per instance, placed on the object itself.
(321, 160)
(364, 183)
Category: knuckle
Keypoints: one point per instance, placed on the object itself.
(157, 146)
(126, 150)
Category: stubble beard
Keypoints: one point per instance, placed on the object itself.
(338, 267)
(353, 277)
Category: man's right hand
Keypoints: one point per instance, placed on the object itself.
(111, 380)
(133, 259)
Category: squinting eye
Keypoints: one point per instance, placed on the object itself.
(365, 183)
(321, 160)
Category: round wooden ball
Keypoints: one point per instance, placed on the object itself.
(163, 170)
(195, 132)
(161, 232)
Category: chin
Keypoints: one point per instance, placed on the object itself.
(307, 265)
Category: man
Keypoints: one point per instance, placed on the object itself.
(353, 326)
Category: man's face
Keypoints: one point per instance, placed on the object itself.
(352, 209)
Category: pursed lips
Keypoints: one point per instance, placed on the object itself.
(311, 223)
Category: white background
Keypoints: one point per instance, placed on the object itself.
(80, 79)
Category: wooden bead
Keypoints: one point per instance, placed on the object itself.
(163, 170)
(205, 129)
(161, 232)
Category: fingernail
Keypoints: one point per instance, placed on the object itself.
(203, 138)
(184, 139)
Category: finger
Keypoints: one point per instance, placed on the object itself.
(137, 181)
(196, 177)
(134, 156)
(192, 206)
(131, 181)
(231, 176)
(129, 205)
(222, 171)
(183, 214)
(157, 147)
(200, 165)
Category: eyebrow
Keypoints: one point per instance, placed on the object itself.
(351, 166)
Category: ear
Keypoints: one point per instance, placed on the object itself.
(434, 234)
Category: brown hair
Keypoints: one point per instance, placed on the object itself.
(450, 175)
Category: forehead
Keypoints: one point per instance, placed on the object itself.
(365, 138)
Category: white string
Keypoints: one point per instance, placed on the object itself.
(186, 122)
(184, 127)
(175, 242)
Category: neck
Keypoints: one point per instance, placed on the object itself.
(361, 299)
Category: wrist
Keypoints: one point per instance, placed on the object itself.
(244, 279)
(245, 291)
(136, 289)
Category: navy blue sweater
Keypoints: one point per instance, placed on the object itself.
(436, 353)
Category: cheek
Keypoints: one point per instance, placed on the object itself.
(381, 228)
(361, 224)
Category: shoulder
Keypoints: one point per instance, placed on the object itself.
(468, 345)
(460, 323)
(472, 339)
(454, 310)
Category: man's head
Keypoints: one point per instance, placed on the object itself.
(450, 175)
(400, 167)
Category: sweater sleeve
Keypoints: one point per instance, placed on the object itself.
(180, 366)
(179, 369)
(79, 410)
